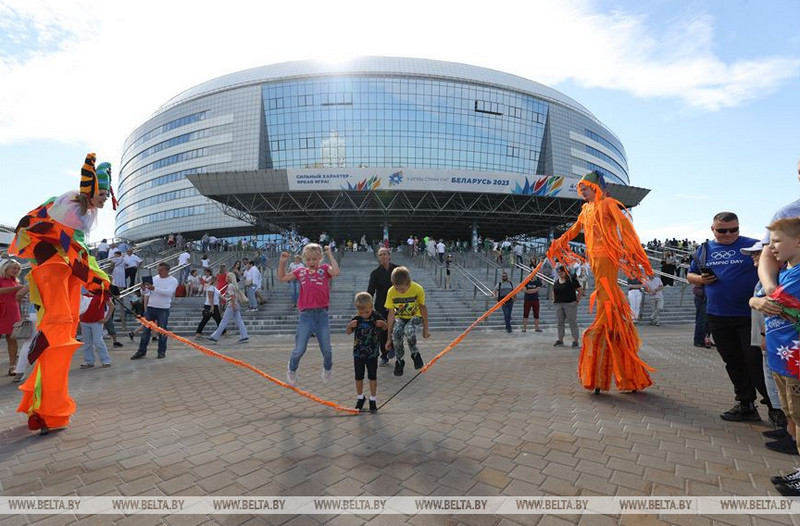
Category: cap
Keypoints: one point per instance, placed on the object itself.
(758, 247)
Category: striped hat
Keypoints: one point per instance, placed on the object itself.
(93, 180)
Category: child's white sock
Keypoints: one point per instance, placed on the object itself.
(361, 397)
(372, 398)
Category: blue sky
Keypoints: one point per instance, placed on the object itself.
(705, 95)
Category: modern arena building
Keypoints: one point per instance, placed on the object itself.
(372, 146)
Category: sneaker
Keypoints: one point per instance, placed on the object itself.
(130, 335)
(373, 405)
(699, 344)
(398, 367)
(87, 365)
(524, 330)
(161, 355)
(106, 365)
(243, 340)
(213, 340)
(775, 433)
(741, 412)
(384, 362)
(326, 375)
(783, 445)
(538, 330)
(789, 489)
(137, 356)
(574, 344)
(291, 376)
(117, 344)
(508, 329)
(360, 403)
(784, 479)
(417, 358)
(558, 343)
(390, 354)
(777, 418)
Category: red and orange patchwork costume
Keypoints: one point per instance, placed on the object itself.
(51, 238)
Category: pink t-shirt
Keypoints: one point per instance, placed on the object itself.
(315, 291)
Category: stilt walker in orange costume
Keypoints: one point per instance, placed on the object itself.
(611, 344)
(51, 237)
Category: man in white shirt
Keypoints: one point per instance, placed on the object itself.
(102, 250)
(132, 263)
(252, 281)
(184, 259)
(161, 292)
(440, 248)
(518, 251)
(653, 288)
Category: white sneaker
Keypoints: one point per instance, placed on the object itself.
(291, 376)
(326, 375)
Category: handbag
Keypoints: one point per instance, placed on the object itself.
(22, 330)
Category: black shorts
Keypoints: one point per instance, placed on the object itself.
(372, 368)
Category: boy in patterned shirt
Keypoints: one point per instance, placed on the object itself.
(405, 302)
(366, 327)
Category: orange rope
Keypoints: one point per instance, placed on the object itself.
(485, 315)
(239, 363)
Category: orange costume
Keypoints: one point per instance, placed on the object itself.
(51, 237)
(611, 343)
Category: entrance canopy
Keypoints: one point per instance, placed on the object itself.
(264, 199)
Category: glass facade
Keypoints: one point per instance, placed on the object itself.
(376, 112)
(402, 122)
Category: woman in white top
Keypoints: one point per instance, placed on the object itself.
(118, 274)
(232, 310)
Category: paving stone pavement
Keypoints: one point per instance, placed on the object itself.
(502, 414)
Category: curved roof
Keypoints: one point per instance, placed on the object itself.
(416, 67)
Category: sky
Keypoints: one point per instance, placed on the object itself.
(705, 95)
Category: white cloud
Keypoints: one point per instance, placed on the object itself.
(95, 70)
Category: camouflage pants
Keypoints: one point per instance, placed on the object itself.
(407, 329)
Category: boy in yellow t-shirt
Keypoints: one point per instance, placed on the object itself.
(405, 303)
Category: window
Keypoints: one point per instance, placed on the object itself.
(307, 142)
(305, 100)
(278, 145)
(177, 123)
(337, 99)
(276, 103)
(493, 108)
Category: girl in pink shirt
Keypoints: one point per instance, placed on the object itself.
(313, 303)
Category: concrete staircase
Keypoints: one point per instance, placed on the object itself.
(452, 309)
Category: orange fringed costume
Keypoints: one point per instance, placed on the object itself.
(51, 237)
(611, 343)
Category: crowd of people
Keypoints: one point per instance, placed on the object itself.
(746, 292)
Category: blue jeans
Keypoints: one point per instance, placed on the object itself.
(316, 321)
(160, 316)
(507, 306)
(700, 322)
(185, 272)
(226, 318)
(251, 297)
(92, 334)
(294, 288)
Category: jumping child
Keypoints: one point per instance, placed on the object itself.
(366, 325)
(405, 302)
(313, 303)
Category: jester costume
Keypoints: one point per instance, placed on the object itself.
(611, 343)
(51, 238)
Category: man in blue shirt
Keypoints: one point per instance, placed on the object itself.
(728, 278)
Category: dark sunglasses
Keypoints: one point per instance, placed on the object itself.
(732, 230)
